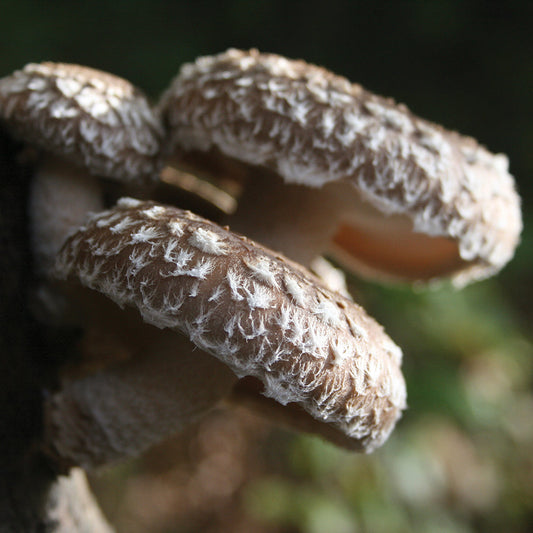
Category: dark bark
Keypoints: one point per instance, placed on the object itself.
(30, 491)
(20, 339)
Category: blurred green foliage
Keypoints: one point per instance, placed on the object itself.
(461, 460)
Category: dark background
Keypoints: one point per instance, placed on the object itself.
(461, 460)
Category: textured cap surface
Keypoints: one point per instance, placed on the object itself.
(261, 314)
(92, 118)
(313, 128)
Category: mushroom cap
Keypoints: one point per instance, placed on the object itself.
(92, 118)
(455, 201)
(312, 349)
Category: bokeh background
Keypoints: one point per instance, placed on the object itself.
(461, 460)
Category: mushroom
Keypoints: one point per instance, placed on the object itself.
(70, 506)
(316, 356)
(92, 125)
(86, 123)
(332, 167)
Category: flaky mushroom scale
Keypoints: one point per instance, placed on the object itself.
(94, 119)
(257, 312)
(85, 124)
(401, 198)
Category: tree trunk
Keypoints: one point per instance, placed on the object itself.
(33, 498)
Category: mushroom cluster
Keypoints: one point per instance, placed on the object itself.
(204, 314)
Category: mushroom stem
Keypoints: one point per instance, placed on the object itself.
(304, 223)
(282, 216)
(61, 197)
(70, 506)
(118, 413)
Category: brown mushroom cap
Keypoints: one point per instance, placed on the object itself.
(261, 314)
(94, 119)
(416, 202)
